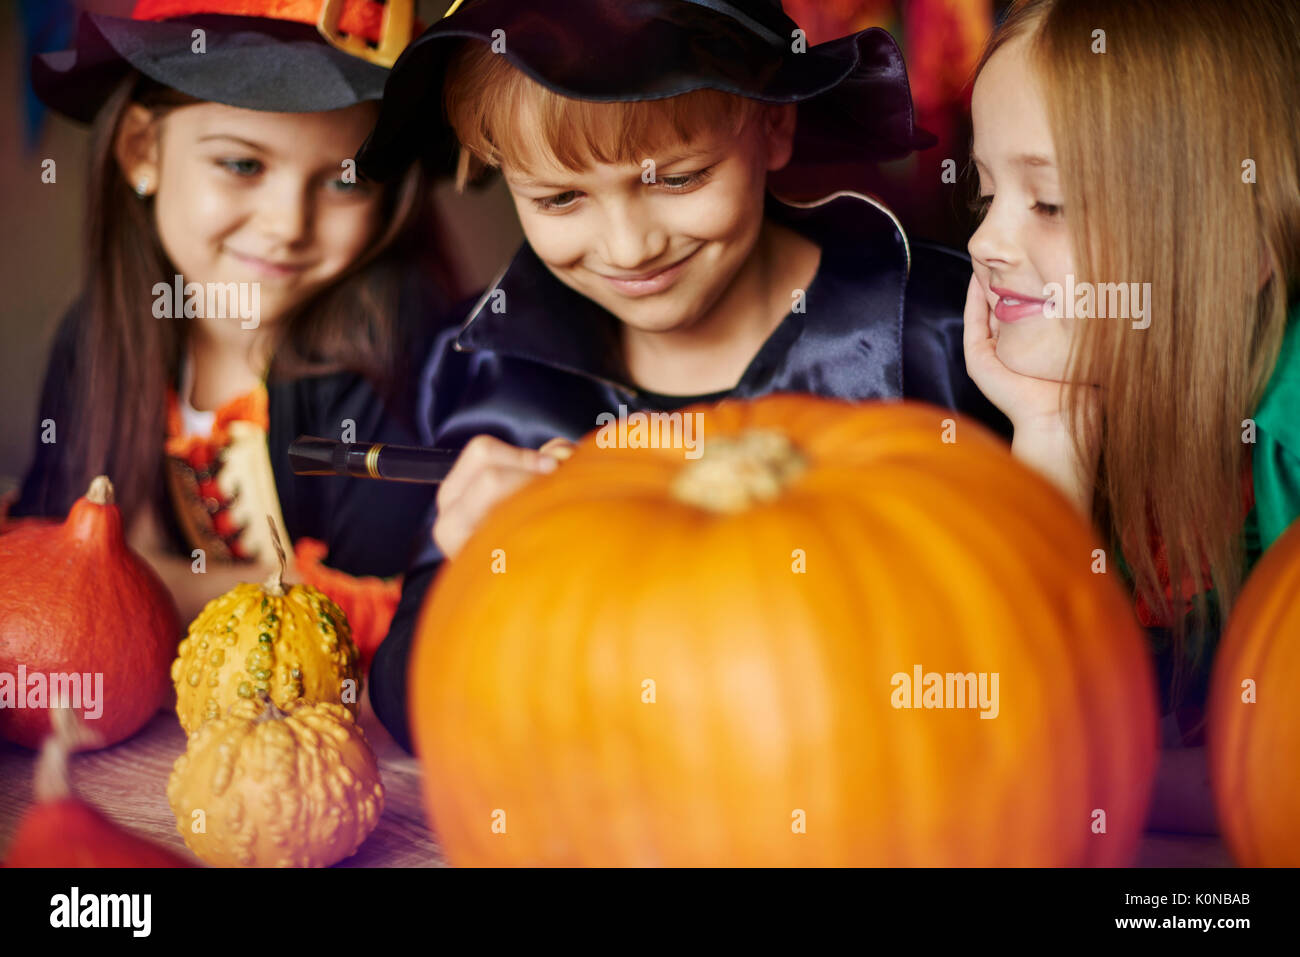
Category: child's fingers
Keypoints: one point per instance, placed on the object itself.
(558, 448)
(456, 522)
(486, 451)
(977, 337)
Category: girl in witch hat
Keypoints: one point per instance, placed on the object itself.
(658, 271)
(242, 286)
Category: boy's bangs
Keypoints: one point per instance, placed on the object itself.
(576, 134)
(486, 95)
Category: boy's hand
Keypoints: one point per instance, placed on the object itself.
(487, 471)
(1030, 403)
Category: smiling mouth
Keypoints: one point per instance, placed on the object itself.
(267, 265)
(646, 276)
(1012, 307)
(649, 283)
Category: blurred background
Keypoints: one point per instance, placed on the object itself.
(40, 268)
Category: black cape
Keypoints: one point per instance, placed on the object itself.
(365, 524)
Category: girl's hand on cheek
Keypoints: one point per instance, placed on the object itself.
(1028, 402)
(487, 471)
(1035, 407)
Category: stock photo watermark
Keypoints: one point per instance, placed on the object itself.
(1107, 300)
(39, 690)
(211, 300)
(920, 689)
(651, 430)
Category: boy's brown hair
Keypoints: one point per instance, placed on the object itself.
(484, 94)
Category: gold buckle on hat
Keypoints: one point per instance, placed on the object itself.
(394, 33)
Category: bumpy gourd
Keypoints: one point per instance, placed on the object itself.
(291, 642)
(276, 790)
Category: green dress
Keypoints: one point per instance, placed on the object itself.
(1276, 460)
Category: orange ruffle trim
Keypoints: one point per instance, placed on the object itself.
(250, 407)
(368, 602)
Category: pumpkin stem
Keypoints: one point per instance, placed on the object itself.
(101, 491)
(68, 734)
(275, 581)
(735, 472)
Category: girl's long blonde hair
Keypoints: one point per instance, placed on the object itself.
(1179, 154)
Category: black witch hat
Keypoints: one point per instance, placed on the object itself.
(854, 101)
(285, 56)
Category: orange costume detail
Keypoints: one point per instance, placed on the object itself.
(217, 490)
(362, 18)
(1191, 584)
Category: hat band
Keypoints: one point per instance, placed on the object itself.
(395, 34)
(717, 6)
(362, 19)
(728, 10)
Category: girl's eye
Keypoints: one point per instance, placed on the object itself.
(345, 187)
(241, 167)
(681, 182)
(980, 206)
(556, 202)
(1050, 210)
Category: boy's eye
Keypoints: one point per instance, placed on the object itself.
(676, 183)
(980, 206)
(1050, 210)
(680, 182)
(241, 167)
(558, 201)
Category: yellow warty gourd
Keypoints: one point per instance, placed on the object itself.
(290, 642)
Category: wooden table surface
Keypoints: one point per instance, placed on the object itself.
(128, 783)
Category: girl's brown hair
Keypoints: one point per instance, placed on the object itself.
(126, 359)
(484, 95)
(1152, 139)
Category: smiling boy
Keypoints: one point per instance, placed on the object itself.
(658, 270)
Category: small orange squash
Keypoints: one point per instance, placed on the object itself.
(77, 603)
(1252, 731)
(646, 658)
(60, 830)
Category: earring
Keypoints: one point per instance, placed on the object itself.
(142, 186)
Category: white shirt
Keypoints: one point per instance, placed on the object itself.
(193, 421)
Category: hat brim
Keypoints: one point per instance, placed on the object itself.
(252, 62)
(852, 92)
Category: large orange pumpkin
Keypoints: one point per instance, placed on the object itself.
(645, 658)
(1253, 734)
